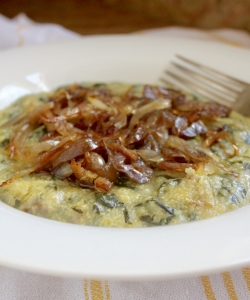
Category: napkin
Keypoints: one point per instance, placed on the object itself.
(20, 285)
(21, 31)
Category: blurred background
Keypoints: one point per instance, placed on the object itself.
(124, 16)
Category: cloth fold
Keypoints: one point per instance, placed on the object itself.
(15, 284)
(21, 31)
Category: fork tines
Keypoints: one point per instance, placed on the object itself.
(207, 83)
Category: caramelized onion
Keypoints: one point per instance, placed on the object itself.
(150, 155)
(189, 150)
(214, 136)
(147, 108)
(63, 171)
(174, 166)
(131, 171)
(92, 136)
(75, 149)
(95, 163)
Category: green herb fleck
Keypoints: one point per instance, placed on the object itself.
(43, 99)
(150, 220)
(99, 85)
(247, 166)
(98, 208)
(77, 210)
(17, 203)
(4, 143)
(234, 199)
(108, 200)
(247, 139)
(165, 207)
(126, 216)
(172, 182)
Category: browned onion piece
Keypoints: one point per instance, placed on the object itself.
(206, 109)
(174, 166)
(137, 135)
(175, 154)
(150, 155)
(214, 136)
(182, 127)
(77, 169)
(95, 163)
(18, 139)
(152, 106)
(25, 125)
(75, 149)
(181, 124)
(151, 143)
(118, 161)
(102, 184)
(141, 166)
(31, 115)
(191, 151)
(44, 146)
(130, 154)
(153, 92)
(90, 179)
(63, 171)
(46, 159)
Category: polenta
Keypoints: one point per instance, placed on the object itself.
(122, 155)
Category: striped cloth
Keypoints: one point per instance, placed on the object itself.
(18, 285)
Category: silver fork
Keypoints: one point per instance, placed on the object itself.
(209, 84)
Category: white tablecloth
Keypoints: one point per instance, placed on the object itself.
(15, 284)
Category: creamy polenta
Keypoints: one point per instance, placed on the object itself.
(123, 155)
